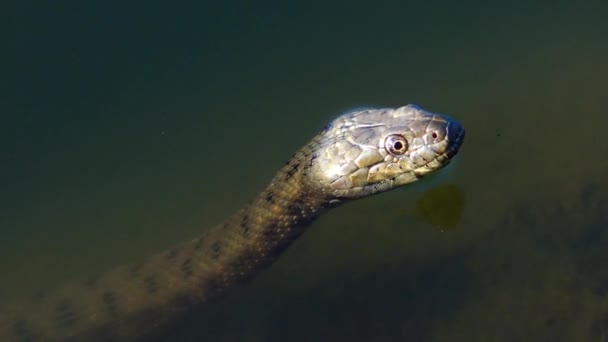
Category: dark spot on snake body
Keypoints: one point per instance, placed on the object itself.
(272, 228)
(244, 266)
(288, 161)
(245, 224)
(294, 168)
(270, 234)
(273, 235)
(270, 197)
(187, 268)
(66, 314)
(110, 300)
(299, 210)
(216, 249)
(296, 208)
(313, 158)
(151, 284)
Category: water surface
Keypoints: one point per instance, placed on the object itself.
(128, 129)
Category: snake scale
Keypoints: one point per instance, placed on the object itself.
(361, 153)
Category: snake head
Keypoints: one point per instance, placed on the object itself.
(375, 150)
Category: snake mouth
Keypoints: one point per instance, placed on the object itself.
(456, 134)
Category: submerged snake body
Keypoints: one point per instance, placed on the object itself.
(361, 153)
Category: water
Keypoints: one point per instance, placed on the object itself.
(127, 129)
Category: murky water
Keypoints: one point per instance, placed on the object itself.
(128, 129)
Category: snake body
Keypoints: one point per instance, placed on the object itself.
(361, 153)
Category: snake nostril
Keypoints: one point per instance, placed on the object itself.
(434, 135)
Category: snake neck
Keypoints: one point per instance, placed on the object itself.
(258, 234)
(139, 300)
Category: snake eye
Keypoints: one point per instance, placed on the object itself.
(395, 144)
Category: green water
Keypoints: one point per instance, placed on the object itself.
(127, 128)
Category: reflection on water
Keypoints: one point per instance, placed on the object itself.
(131, 129)
(441, 206)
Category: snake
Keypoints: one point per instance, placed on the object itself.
(361, 153)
